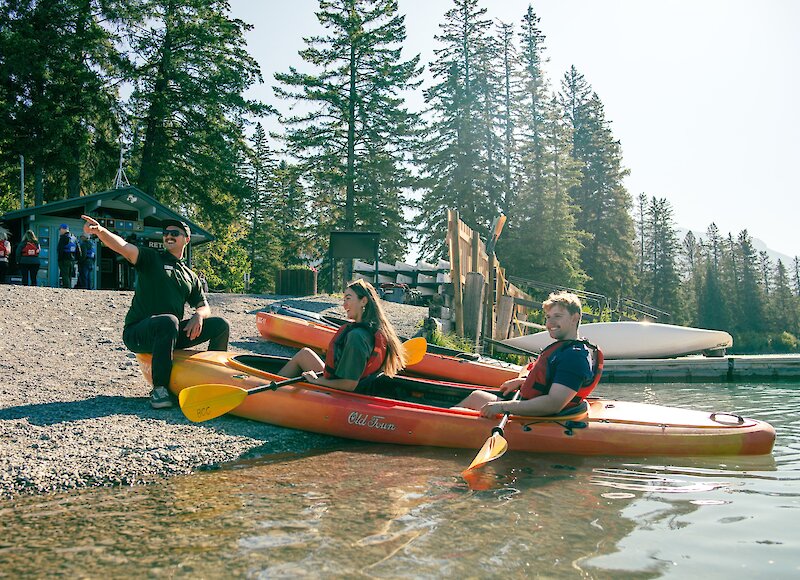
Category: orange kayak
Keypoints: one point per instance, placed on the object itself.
(297, 332)
(413, 411)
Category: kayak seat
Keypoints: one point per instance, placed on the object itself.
(366, 386)
(580, 408)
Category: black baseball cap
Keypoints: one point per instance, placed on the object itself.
(178, 224)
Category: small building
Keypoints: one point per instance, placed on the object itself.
(127, 211)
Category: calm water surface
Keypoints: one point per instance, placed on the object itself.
(361, 510)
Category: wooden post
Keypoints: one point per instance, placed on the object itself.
(476, 251)
(455, 269)
(505, 312)
(488, 307)
(473, 306)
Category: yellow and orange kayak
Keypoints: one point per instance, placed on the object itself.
(297, 332)
(414, 411)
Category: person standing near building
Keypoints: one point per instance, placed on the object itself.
(28, 258)
(86, 261)
(68, 252)
(164, 285)
(5, 252)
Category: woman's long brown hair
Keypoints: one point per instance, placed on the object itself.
(375, 318)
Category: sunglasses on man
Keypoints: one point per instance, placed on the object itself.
(173, 233)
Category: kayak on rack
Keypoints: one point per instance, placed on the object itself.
(636, 340)
(298, 332)
(414, 411)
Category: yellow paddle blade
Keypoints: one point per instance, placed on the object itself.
(494, 447)
(204, 402)
(414, 350)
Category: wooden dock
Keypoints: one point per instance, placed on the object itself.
(694, 369)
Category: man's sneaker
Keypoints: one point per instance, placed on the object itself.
(159, 398)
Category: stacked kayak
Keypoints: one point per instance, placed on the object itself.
(298, 332)
(636, 340)
(414, 411)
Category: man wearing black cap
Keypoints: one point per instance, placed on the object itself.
(164, 285)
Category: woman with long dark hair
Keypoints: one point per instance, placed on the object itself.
(360, 349)
(28, 258)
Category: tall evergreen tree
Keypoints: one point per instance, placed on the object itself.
(292, 207)
(712, 302)
(265, 221)
(604, 203)
(796, 276)
(353, 144)
(454, 153)
(58, 64)
(662, 275)
(751, 304)
(509, 88)
(783, 306)
(192, 68)
(544, 214)
(691, 252)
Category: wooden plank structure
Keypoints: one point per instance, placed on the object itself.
(468, 255)
(694, 369)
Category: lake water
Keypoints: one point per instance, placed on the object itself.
(358, 510)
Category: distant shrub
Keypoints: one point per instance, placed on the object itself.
(784, 342)
(451, 340)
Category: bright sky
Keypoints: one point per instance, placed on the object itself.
(702, 94)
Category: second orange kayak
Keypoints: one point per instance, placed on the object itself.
(296, 332)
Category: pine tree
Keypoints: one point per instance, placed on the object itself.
(509, 88)
(796, 277)
(544, 215)
(751, 303)
(292, 205)
(691, 253)
(454, 154)
(58, 62)
(261, 210)
(604, 203)
(192, 68)
(664, 287)
(784, 311)
(353, 144)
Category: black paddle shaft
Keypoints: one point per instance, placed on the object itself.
(499, 429)
(272, 386)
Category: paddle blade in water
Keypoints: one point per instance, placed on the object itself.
(494, 447)
(204, 402)
(414, 350)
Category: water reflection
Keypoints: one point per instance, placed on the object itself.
(380, 511)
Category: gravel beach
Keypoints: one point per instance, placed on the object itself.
(73, 404)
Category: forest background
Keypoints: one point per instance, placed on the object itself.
(168, 80)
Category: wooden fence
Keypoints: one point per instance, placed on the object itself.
(483, 300)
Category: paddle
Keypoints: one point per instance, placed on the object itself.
(495, 445)
(203, 402)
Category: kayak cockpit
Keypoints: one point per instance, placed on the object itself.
(400, 388)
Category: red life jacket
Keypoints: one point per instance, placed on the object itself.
(537, 382)
(5, 249)
(30, 249)
(374, 362)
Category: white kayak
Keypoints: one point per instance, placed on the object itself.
(627, 340)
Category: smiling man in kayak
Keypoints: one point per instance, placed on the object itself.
(563, 375)
(164, 285)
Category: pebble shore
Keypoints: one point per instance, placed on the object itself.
(74, 410)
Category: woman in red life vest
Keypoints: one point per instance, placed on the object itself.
(359, 349)
(563, 375)
(28, 258)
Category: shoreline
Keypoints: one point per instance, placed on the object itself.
(74, 408)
